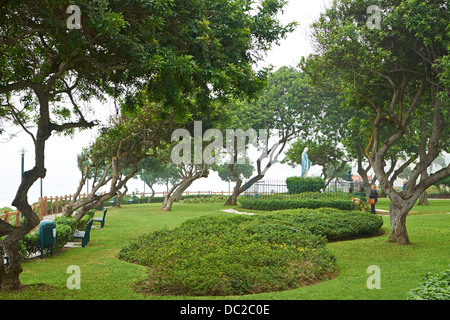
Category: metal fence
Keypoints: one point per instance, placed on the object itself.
(279, 188)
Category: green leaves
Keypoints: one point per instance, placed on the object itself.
(230, 255)
(435, 287)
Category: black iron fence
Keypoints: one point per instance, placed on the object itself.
(334, 190)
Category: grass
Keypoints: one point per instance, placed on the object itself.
(103, 276)
(435, 206)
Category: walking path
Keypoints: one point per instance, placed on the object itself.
(237, 212)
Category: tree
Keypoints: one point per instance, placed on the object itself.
(116, 152)
(286, 108)
(444, 182)
(189, 174)
(398, 74)
(178, 50)
(243, 170)
(236, 172)
(156, 171)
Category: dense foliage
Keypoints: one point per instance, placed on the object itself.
(65, 228)
(239, 254)
(314, 201)
(434, 287)
(297, 185)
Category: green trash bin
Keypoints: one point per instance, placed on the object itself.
(47, 236)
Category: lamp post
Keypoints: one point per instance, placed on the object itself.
(22, 153)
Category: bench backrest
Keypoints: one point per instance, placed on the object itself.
(88, 229)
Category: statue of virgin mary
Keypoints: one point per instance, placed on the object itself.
(306, 164)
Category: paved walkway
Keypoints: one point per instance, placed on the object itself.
(237, 212)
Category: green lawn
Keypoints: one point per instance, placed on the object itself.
(435, 206)
(103, 276)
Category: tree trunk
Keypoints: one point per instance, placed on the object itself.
(153, 193)
(238, 189)
(120, 196)
(10, 277)
(169, 195)
(232, 199)
(177, 193)
(398, 214)
(423, 200)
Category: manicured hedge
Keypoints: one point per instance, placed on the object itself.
(330, 223)
(238, 254)
(297, 185)
(188, 198)
(280, 203)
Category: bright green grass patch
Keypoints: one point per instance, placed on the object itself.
(435, 206)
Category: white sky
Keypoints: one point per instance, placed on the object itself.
(62, 174)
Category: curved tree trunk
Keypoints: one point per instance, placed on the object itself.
(9, 279)
(398, 214)
(153, 193)
(169, 195)
(120, 196)
(423, 199)
(177, 194)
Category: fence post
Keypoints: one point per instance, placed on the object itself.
(41, 209)
(45, 206)
(18, 218)
(7, 216)
(51, 205)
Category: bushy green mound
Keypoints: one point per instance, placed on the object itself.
(330, 223)
(276, 202)
(233, 255)
(434, 287)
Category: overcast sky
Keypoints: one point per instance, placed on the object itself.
(62, 174)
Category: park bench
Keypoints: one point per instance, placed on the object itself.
(101, 219)
(84, 235)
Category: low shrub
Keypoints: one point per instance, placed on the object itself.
(192, 198)
(85, 219)
(297, 185)
(330, 223)
(234, 255)
(66, 221)
(434, 287)
(29, 245)
(204, 199)
(65, 227)
(269, 203)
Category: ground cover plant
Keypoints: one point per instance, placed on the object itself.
(434, 287)
(223, 255)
